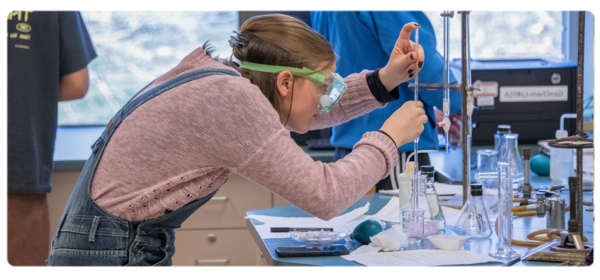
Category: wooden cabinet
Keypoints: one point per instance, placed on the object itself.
(223, 247)
(214, 235)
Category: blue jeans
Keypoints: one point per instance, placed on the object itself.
(89, 235)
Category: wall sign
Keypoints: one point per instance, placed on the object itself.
(534, 94)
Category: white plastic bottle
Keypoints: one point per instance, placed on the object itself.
(404, 184)
(561, 161)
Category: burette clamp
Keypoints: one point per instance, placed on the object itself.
(470, 103)
(449, 14)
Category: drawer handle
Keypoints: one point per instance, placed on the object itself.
(212, 238)
(212, 261)
(219, 198)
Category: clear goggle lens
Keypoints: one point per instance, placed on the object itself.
(332, 94)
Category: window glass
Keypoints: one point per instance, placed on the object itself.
(134, 48)
(504, 34)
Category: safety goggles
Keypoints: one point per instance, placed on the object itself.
(333, 82)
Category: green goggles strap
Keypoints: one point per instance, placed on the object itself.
(275, 69)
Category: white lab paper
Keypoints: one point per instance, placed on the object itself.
(344, 223)
(340, 223)
(417, 258)
(446, 189)
(440, 188)
(390, 212)
(309, 221)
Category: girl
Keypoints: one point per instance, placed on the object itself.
(169, 149)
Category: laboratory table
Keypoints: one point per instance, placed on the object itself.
(521, 227)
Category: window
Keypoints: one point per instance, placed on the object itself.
(504, 34)
(134, 48)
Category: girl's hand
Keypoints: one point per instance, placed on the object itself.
(406, 60)
(406, 124)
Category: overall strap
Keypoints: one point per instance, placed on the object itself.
(135, 103)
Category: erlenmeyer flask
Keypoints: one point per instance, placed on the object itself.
(434, 202)
(418, 200)
(509, 152)
(477, 225)
(464, 213)
(502, 129)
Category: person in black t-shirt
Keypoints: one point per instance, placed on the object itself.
(48, 54)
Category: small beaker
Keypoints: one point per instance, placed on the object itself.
(487, 160)
(412, 224)
(418, 199)
(477, 225)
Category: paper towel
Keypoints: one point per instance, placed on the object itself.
(391, 239)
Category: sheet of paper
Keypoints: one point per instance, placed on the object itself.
(446, 189)
(440, 188)
(265, 232)
(417, 258)
(310, 221)
(390, 212)
(390, 192)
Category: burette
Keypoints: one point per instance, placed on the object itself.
(445, 124)
(416, 160)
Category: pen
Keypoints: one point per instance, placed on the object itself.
(289, 229)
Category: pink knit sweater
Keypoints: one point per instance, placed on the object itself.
(181, 145)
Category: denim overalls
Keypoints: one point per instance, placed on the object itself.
(89, 235)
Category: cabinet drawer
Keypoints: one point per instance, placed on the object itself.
(232, 247)
(228, 207)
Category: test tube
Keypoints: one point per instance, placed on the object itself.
(505, 195)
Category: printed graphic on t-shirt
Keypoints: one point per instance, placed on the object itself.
(19, 19)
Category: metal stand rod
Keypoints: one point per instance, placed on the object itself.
(573, 221)
(464, 117)
(580, 54)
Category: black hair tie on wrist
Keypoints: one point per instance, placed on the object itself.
(389, 137)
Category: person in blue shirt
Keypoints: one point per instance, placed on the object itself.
(48, 54)
(364, 40)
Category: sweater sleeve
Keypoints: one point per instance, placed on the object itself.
(356, 101)
(251, 141)
(324, 190)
